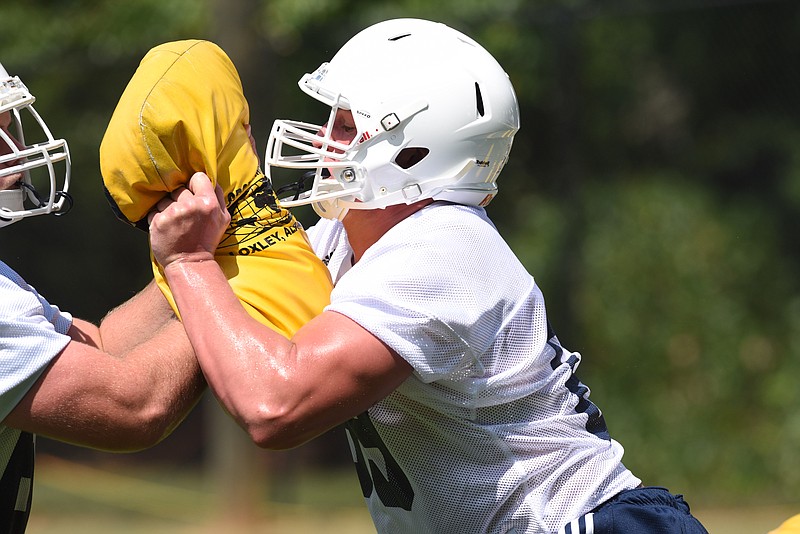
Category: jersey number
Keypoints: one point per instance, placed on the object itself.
(394, 490)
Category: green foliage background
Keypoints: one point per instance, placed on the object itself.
(653, 191)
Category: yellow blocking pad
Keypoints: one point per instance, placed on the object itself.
(790, 526)
(184, 111)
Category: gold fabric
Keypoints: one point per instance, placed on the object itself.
(184, 111)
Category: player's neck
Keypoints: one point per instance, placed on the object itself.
(365, 227)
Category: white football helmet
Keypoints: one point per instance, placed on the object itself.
(36, 169)
(435, 116)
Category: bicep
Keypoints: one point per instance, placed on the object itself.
(79, 375)
(346, 367)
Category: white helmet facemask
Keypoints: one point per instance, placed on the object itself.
(435, 117)
(39, 166)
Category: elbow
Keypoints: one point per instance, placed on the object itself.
(134, 444)
(155, 430)
(154, 415)
(277, 431)
(130, 438)
(150, 423)
(145, 430)
(276, 440)
(123, 430)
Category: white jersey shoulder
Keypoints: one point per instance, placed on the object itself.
(32, 333)
(493, 432)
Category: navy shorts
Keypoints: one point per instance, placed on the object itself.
(648, 510)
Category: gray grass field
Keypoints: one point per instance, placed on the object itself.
(72, 497)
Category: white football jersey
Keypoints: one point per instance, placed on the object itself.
(493, 432)
(32, 333)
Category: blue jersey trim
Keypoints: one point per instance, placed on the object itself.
(596, 424)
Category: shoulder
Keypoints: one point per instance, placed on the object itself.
(450, 229)
(20, 302)
(442, 214)
(448, 238)
(439, 221)
(9, 277)
(442, 249)
(15, 293)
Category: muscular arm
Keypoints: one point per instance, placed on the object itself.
(282, 391)
(127, 401)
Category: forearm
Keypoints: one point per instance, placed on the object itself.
(282, 392)
(170, 383)
(250, 368)
(135, 321)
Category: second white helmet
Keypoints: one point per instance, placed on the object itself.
(435, 116)
(37, 163)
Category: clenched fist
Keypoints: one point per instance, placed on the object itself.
(188, 224)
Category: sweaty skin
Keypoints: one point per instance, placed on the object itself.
(282, 390)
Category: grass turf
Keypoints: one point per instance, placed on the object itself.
(73, 497)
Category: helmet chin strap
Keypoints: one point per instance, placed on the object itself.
(10, 200)
(330, 209)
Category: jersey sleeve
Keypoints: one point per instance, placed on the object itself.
(433, 347)
(32, 333)
(425, 291)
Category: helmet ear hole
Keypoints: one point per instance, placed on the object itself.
(479, 100)
(408, 157)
